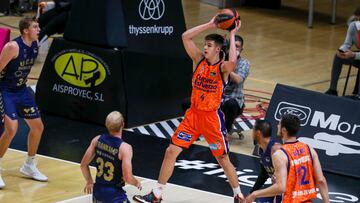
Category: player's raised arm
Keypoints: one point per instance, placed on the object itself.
(187, 37)
(229, 65)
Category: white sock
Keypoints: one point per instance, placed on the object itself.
(30, 160)
(236, 191)
(158, 190)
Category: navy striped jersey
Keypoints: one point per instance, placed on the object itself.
(265, 157)
(109, 170)
(14, 75)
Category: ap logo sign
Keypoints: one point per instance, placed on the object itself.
(151, 9)
(303, 112)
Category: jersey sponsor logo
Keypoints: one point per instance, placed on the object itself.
(29, 110)
(303, 112)
(151, 9)
(183, 136)
(205, 84)
(80, 69)
(215, 146)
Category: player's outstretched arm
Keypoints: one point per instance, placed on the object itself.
(319, 177)
(84, 165)
(125, 155)
(280, 165)
(187, 37)
(9, 52)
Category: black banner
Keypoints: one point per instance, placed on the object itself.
(81, 82)
(155, 26)
(146, 81)
(99, 23)
(4, 6)
(329, 124)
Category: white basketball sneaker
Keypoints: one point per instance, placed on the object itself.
(2, 184)
(32, 172)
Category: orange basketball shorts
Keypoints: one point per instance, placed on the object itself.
(210, 124)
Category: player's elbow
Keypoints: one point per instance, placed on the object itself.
(83, 165)
(280, 188)
(321, 181)
(184, 36)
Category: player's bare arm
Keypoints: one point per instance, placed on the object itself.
(187, 37)
(85, 162)
(280, 165)
(229, 66)
(319, 177)
(9, 52)
(125, 155)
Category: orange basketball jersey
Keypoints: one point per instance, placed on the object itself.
(300, 185)
(207, 86)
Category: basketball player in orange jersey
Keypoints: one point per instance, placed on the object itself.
(297, 168)
(204, 117)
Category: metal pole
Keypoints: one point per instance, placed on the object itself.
(333, 12)
(311, 13)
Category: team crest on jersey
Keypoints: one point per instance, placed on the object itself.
(212, 73)
(202, 69)
(267, 159)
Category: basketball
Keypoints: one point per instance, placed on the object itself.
(226, 19)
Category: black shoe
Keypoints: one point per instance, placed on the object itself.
(149, 198)
(237, 133)
(331, 92)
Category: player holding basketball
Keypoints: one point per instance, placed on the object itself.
(113, 161)
(297, 168)
(204, 117)
(16, 61)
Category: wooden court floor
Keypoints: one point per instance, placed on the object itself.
(66, 183)
(280, 48)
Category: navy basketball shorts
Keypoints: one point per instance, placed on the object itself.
(276, 199)
(20, 103)
(104, 193)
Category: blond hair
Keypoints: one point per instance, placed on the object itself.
(114, 121)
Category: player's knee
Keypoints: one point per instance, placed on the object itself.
(172, 151)
(10, 131)
(38, 128)
(224, 161)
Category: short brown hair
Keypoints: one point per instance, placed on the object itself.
(25, 23)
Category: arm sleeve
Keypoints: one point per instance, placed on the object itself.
(348, 39)
(263, 176)
(243, 69)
